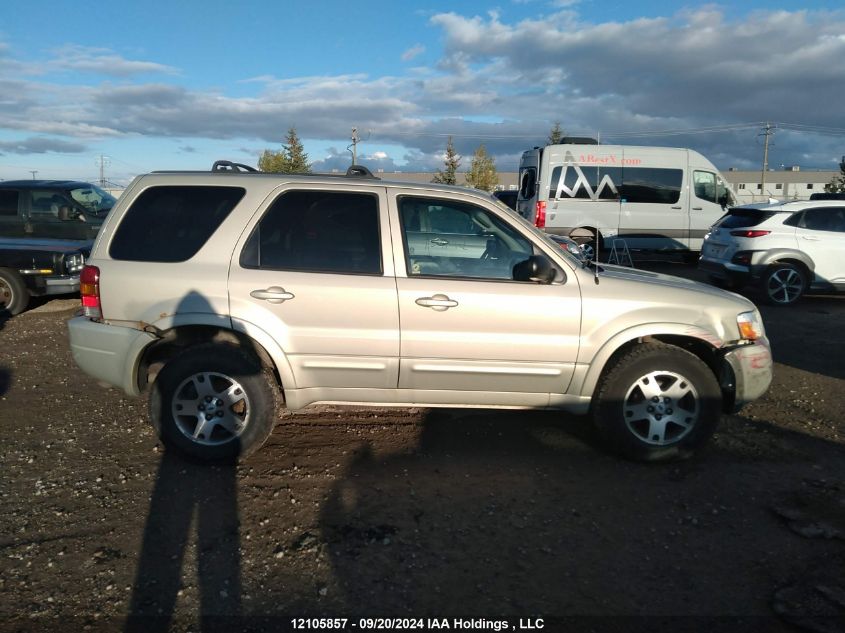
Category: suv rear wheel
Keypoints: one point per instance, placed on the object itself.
(783, 284)
(659, 402)
(214, 402)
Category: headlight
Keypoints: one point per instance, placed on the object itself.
(74, 263)
(750, 325)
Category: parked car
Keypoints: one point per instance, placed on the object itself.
(507, 197)
(30, 267)
(785, 249)
(54, 209)
(225, 293)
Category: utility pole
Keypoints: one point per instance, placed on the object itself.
(355, 141)
(768, 130)
(33, 172)
(103, 162)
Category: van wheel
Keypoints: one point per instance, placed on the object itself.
(591, 246)
(214, 402)
(783, 284)
(14, 297)
(659, 402)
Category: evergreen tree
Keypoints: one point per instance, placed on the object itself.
(292, 158)
(482, 171)
(837, 185)
(452, 162)
(556, 135)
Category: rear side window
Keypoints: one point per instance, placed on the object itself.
(8, 202)
(317, 231)
(528, 183)
(824, 219)
(742, 218)
(171, 224)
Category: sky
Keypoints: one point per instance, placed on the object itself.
(143, 86)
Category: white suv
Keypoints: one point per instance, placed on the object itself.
(226, 293)
(785, 248)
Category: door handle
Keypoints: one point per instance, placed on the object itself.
(273, 294)
(810, 238)
(697, 208)
(439, 241)
(438, 302)
(679, 208)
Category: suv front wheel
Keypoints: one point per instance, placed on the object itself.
(213, 402)
(658, 402)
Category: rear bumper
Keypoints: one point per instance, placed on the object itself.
(734, 273)
(109, 353)
(747, 372)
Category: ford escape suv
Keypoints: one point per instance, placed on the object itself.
(224, 294)
(785, 249)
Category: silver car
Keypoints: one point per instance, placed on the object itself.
(225, 294)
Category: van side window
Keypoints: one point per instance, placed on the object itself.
(704, 185)
(8, 203)
(528, 183)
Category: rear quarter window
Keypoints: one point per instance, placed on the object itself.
(742, 218)
(172, 223)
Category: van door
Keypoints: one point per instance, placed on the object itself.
(708, 198)
(529, 189)
(653, 199)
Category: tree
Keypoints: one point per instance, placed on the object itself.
(556, 135)
(482, 171)
(292, 158)
(837, 185)
(452, 162)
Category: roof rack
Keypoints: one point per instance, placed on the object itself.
(229, 166)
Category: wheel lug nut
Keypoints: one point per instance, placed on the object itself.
(655, 399)
(650, 409)
(201, 408)
(658, 416)
(208, 416)
(669, 411)
(208, 398)
(219, 414)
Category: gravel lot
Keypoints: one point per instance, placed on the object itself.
(421, 513)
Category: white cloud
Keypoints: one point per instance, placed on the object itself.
(415, 51)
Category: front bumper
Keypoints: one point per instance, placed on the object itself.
(54, 285)
(747, 372)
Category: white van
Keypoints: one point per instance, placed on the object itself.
(655, 198)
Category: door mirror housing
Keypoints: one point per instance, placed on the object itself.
(536, 268)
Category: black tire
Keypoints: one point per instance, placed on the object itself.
(14, 297)
(783, 284)
(686, 414)
(592, 246)
(203, 377)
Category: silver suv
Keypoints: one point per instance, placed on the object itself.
(225, 293)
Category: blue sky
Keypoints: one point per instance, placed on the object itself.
(179, 84)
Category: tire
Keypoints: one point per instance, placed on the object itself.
(225, 385)
(590, 246)
(683, 418)
(783, 284)
(14, 297)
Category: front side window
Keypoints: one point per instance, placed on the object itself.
(317, 231)
(45, 203)
(447, 238)
(93, 199)
(825, 219)
(704, 185)
(8, 203)
(171, 223)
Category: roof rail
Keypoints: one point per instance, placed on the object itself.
(229, 166)
(359, 171)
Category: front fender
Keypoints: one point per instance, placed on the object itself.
(612, 345)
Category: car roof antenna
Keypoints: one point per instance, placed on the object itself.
(596, 257)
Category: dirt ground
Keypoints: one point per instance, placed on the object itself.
(368, 513)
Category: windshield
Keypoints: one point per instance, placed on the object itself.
(93, 199)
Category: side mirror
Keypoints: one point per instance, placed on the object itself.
(64, 213)
(536, 268)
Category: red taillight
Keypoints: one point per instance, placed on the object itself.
(89, 289)
(749, 233)
(540, 218)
